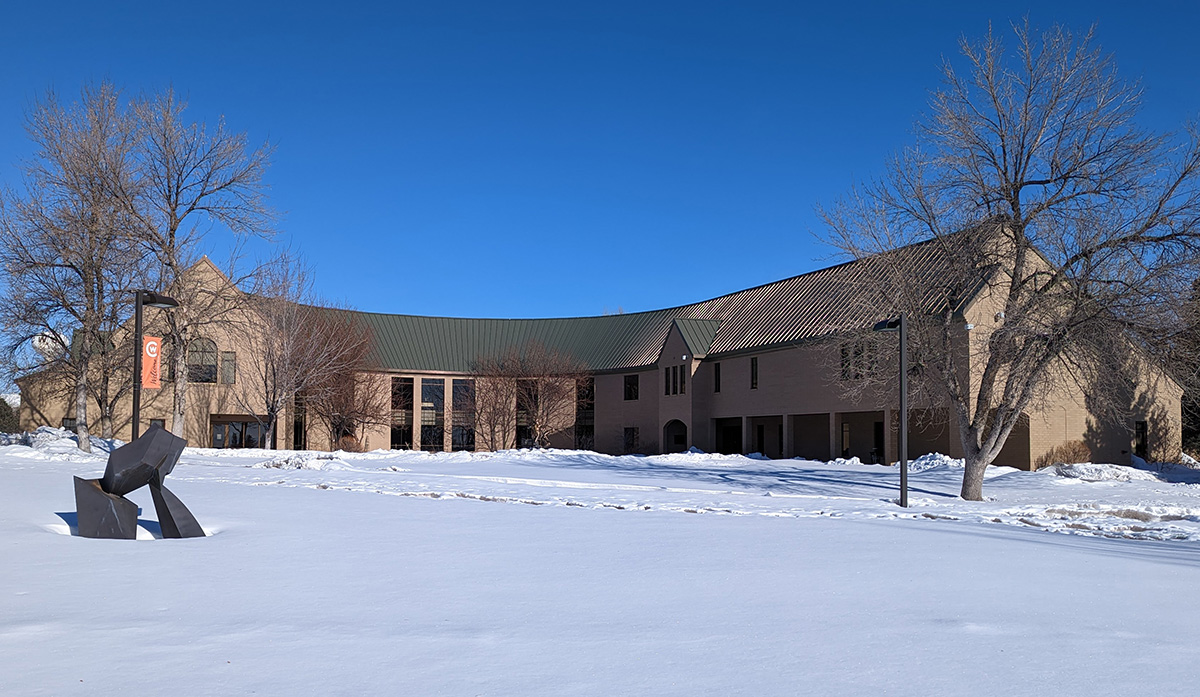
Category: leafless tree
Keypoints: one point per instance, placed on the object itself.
(191, 179)
(531, 388)
(1035, 188)
(546, 393)
(495, 401)
(298, 350)
(67, 244)
(349, 395)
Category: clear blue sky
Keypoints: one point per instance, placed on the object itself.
(531, 159)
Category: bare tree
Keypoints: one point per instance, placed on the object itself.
(193, 178)
(495, 401)
(347, 395)
(1034, 187)
(67, 243)
(546, 393)
(113, 352)
(533, 389)
(303, 351)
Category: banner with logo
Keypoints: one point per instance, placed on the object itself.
(152, 362)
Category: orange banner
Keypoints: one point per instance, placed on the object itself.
(151, 362)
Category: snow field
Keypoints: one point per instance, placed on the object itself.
(562, 572)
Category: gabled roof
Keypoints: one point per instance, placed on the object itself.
(789, 311)
(698, 334)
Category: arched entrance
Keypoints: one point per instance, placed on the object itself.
(674, 437)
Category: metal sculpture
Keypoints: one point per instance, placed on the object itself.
(101, 506)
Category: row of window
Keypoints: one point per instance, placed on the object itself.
(859, 360)
(675, 380)
(433, 415)
(206, 365)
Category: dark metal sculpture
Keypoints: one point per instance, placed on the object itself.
(102, 509)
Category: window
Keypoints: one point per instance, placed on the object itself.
(402, 414)
(666, 381)
(716, 377)
(631, 439)
(70, 424)
(238, 434)
(202, 361)
(683, 379)
(228, 367)
(299, 425)
(754, 372)
(1141, 439)
(462, 402)
(674, 379)
(631, 388)
(161, 423)
(585, 414)
(858, 360)
(527, 407)
(433, 416)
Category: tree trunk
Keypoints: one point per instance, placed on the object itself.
(972, 487)
(179, 398)
(82, 437)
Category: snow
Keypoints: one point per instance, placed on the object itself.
(569, 572)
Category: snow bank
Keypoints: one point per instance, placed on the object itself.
(305, 460)
(1096, 472)
(934, 461)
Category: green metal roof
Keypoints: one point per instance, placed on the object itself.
(698, 334)
(794, 309)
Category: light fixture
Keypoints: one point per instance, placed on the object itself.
(893, 325)
(140, 298)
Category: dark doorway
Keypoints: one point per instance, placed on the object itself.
(1141, 439)
(877, 453)
(728, 434)
(674, 437)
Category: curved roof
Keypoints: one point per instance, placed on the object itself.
(794, 309)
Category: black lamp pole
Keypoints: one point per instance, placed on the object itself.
(140, 298)
(892, 325)
(137, 362)
(903, 413)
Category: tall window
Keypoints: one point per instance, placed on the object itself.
(585, 414)
(631, 443)
(716, 377)
(402, 414)
(683, 379)
(674, 379)
(527, 404)
(667, 380)
(858, 360)
(433, 415)
(228, 367)
(631, 388)
(754, 372)
(202, 361)
(1141, 439)
(462, 402)
(299, 424)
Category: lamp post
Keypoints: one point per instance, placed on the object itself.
(894, 325)
(142, 297)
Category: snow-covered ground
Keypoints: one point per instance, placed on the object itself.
(565, 572)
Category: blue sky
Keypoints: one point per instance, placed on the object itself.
(532, 159)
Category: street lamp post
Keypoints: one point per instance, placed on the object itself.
(142, 297)
(898, 325)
